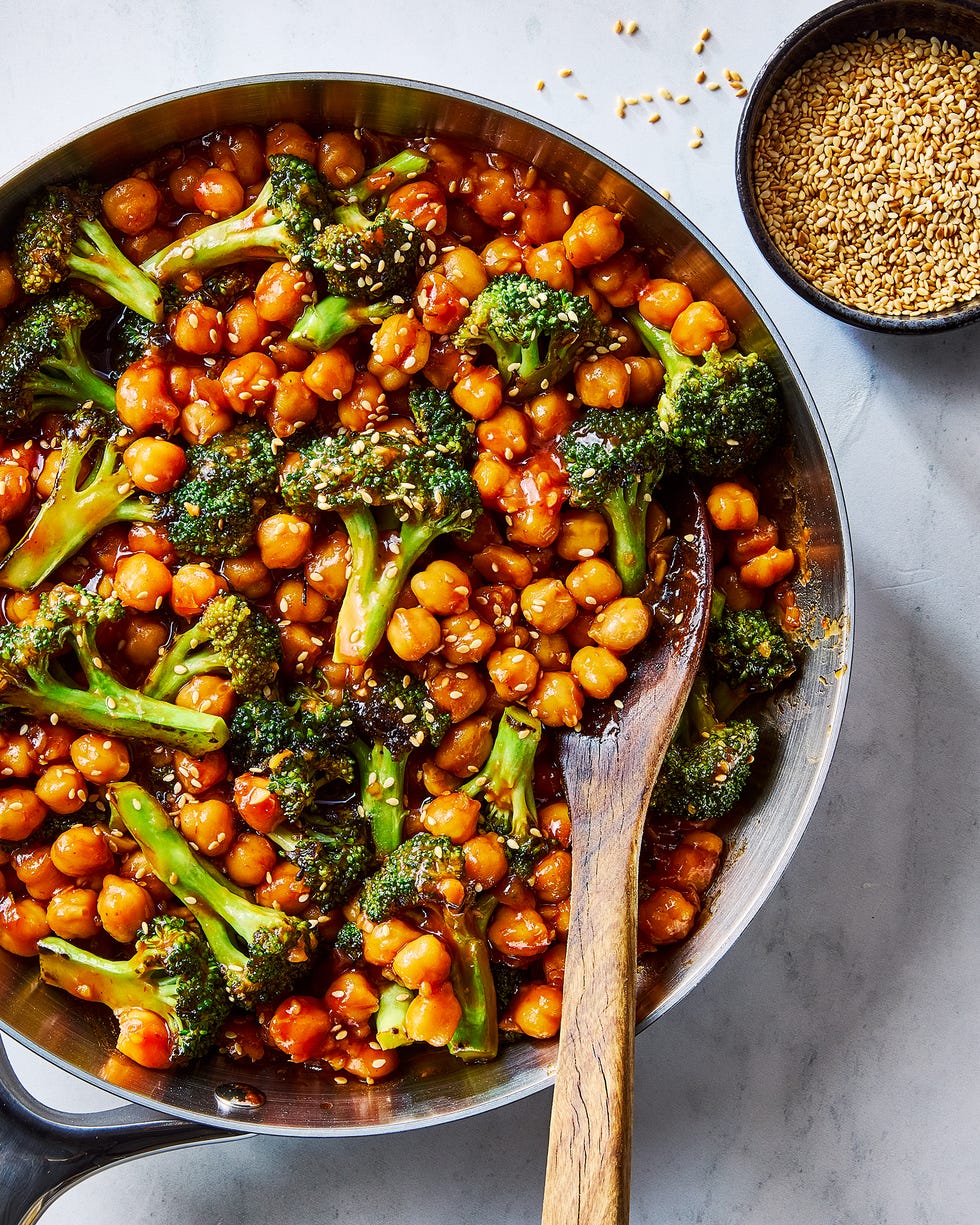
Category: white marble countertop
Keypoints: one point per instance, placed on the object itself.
(826, 1070)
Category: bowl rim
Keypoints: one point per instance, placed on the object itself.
(468, 1107)
(770, 78)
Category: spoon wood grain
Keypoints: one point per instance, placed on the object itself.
(610, 768)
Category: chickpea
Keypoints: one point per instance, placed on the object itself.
(555, 822)
(364, 404)
(594, 236)
(732, 507)
(17, 756)
(131, 205)
(598, 671)
(193, 585)
(738, 596)
(514, 673)
(283, 541)
(480, 393)
(399, 350)
(249, 859)
(52, 742)
(545, 214)
(440, 304)
(219, 194)
(453, 815)
(593, 582)
(433, 1015)
(15, 491)
(550, 263)
(326, 566)
(413, 633)
(502, 255)
(602, 382)
(144, 1038)
(82, 851)
(241, 150)
(47, 477)
(301, 1027)
(466, 638)
(485, 860)
(154, 464)
(535, 526)
(100, 758)
(557, 700)
(551, 413)
(302, 648)
(141, 582)
(442, 588)
(700, 327)
(661, 301)
(23, 922)
(693, 863)
(465, 747)
(547, 605)
(665, 917)
(208, 825)
(494, 196)
(72, 913)
(492, 477)
(136, 867)
(422, 960)
(506, 434)
(9, 289)
(62, 789)
(536, 1010)
(184, 178)
(552, 880)
(295, 601)
(248, 575)
(199, 329)
(245, 329)
(583, 534)
(464, 270)
(330, 375)
(293, 405)
(423, 204)
(622, 624)
(340, 158)
(200, 774)
(768, 568)
(520, 934)
(646, 376)
(256, 804)
(249, 382)
(752, 542)
(123, 907)
(293, 140)
(383, 940)
(282, 293)
(459, 691)
(499, 562)
(204, 419)
(284, 889)
(33, 868)
(143, 402)
(211, 695)
(20, 606)
(368, 1062)
(551, 651)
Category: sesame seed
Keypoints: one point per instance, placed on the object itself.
(539, 85)
(564, 72)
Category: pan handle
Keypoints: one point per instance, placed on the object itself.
(43, 1152)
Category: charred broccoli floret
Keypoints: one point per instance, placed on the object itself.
(360, 476)
(538, 334)
(42, 364)
(61, 235)
(232, 636)
(260, 951)
(614, 462)
(41, 658)
(722, 415)
(279, 224)
(172, 974)
(749, 654)
(332, 851)
(427, 873)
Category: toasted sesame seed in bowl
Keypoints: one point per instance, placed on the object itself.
(858, 163)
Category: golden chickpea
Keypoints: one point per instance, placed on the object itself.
(364, 404)
(326, 566)
(295, 601)
(203, 420)
(551, 651)
(459, 691)
(442, 588)
(256, 804)
(123, 907)
(100, 758)
(700, 327)
(340, 158)
(485, 860)
(552, 880)
(302, 647)
(283, 540)
(249, 859)
(665, 917)
(602, 382)
(330, 375)
(82, 851)
(72, 913)
(219, 194)
(141, 582)
(594, 236)
(209, 825)
(465, 747)
(466, 638)
(593, 582)
(492, 477)
(453, 815)
(293, 405)
(598, 671)
(282, 293)
(193, 585)
(413, 633)
(154, 464)
(23, 922)
(583, 534)
(211, 695)
(441, 306)
(738, 596)
(33, 868)
(248, 575)
(551, 413)
(300, 1028)
(620, 279)
(506, 434)
(422, 960)
(383, 940)
(557, 700)
(502, 255)
(767, 569)
(199, 329)
(520, 934)
(136, 867)
(17, 756)
(293, 140)
(433, 1015)
(249, 382)
(622, 625)
(535, 526)
(646, 376)
(20, 606)
(550, 263)
(547, 605)
(555, 822)
(245, 329)
(479, 392)
(501, 563)
(536, 1010)
(131, 205)
(464, 270)
(200, 774)
(732, 507)
(284, 889)
(52, 742)
(399, 351)
(423, 203)
(752, 542)
(241, 150)
(15, 491)
(661, 301)
(514, 673)
(62, 789)
(545, 214)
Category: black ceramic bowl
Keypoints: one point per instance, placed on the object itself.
(955, 20)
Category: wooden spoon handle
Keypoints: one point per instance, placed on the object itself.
(588, 1176)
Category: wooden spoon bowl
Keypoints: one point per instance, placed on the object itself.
(610, 767)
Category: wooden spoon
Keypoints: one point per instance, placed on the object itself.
(610, 768)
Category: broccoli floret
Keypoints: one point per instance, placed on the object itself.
(442, 424)
(285, 745)
(278, 224)
(41, 657)
(331, 319)
(349, 942)
(370, 258)
(42, 364)
(722, 415)
(60, 235)
(225, 493)
(614, 462)
(430, 493)
(332, 851)
(505, 787)
(230, 636)
(392, 714)
(538, 334)
(427, 873)
(261, 951)
(749, 654)
(507, 980)
(172, 973)
(707, 764)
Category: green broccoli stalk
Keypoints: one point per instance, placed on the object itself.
(43, 365)
(332, 852)
(390, 1019)
(61, 235)
(614, 462)
(279, 224)
(418, 877)
(392, 714)
(538, 334)
(330, 319)
(707, 764)
(381, 180)
(430, 494)
(722, 415)
(749, 654)
(230, 636)
(261, 951)
(172, 974)
(505, 787)
(40, 657)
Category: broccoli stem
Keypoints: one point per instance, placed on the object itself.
(506, 780)
(476, 1037)
(89, 977)
(332, 318)
(183, 659)
(97, 259)
(659, 343)
(389, 1020)
(382, 793)
(70, 377)
(388, 176)
(626, 512)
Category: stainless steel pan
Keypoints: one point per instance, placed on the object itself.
(40, 1150)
